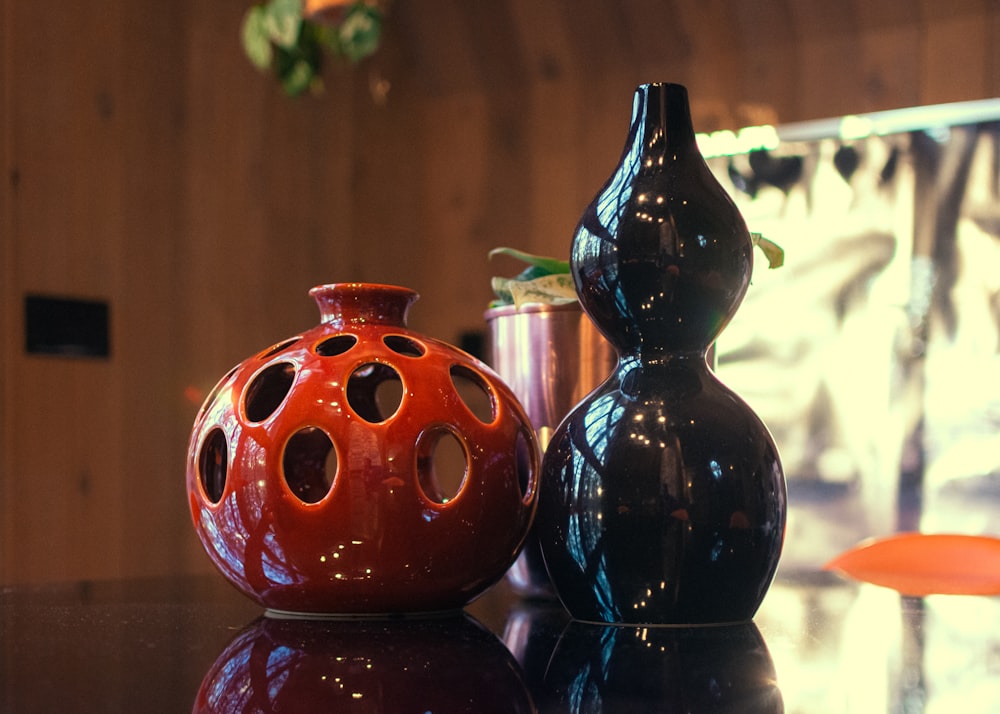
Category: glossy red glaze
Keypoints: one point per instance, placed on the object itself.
(445, 665)
(313, 492)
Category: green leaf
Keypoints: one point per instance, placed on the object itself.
(255, 38)
(546, 266)
(532, 272)
(298, 68)
(297, 78)
(360, 31)
(283, 19)
(774, 253)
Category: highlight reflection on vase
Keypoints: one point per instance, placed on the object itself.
(689, 670)
(360, 467)
(662, 498)
(448, 664)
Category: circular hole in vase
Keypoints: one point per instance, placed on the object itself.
(213, 464)
(268, 390)
(309, 464)
(375, 392)
(442, 465)
(403, 345)
(336, 345)
(474, 392)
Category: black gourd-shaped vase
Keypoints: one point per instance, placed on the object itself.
(662, 496)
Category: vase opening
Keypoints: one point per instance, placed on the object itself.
(665, 111)
(342, 304)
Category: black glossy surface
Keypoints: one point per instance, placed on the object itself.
(663, 501)
(661, 257)
(152, 645)
(666, 669)
(101, 647)
(446, 664)
(662, 496)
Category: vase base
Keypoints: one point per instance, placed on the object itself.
(276, 614)
(668, 625)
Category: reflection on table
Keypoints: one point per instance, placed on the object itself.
(443, 664)
(819, 645)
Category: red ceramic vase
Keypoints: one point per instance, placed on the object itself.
(361, 468)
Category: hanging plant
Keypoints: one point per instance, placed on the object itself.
(293, 39)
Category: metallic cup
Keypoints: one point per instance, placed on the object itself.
(551, 356)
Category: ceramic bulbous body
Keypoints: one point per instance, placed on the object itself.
(662, 495)
(318, 478)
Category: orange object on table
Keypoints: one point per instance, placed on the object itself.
(921, 564)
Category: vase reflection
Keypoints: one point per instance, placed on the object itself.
(448, 664)
(615, 668)
(531, 631)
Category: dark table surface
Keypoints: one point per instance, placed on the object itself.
(818, 645)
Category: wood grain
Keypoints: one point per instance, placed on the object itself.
(146, 163)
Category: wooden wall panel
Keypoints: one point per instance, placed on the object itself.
(150, 106)
(992, 51)
(148, 164)
(953, 63)
(453, 220)
(557, 107)
(886, 77)
(157, 171)
(62, 459)
(829, 53)
(715, 63)
(9, 305)
(770, 73)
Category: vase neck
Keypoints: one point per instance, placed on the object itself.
(661, 256)
(342, 304)
(661, 120)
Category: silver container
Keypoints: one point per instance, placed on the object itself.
(551, 356)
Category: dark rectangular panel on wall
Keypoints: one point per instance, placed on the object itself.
(67, 327)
